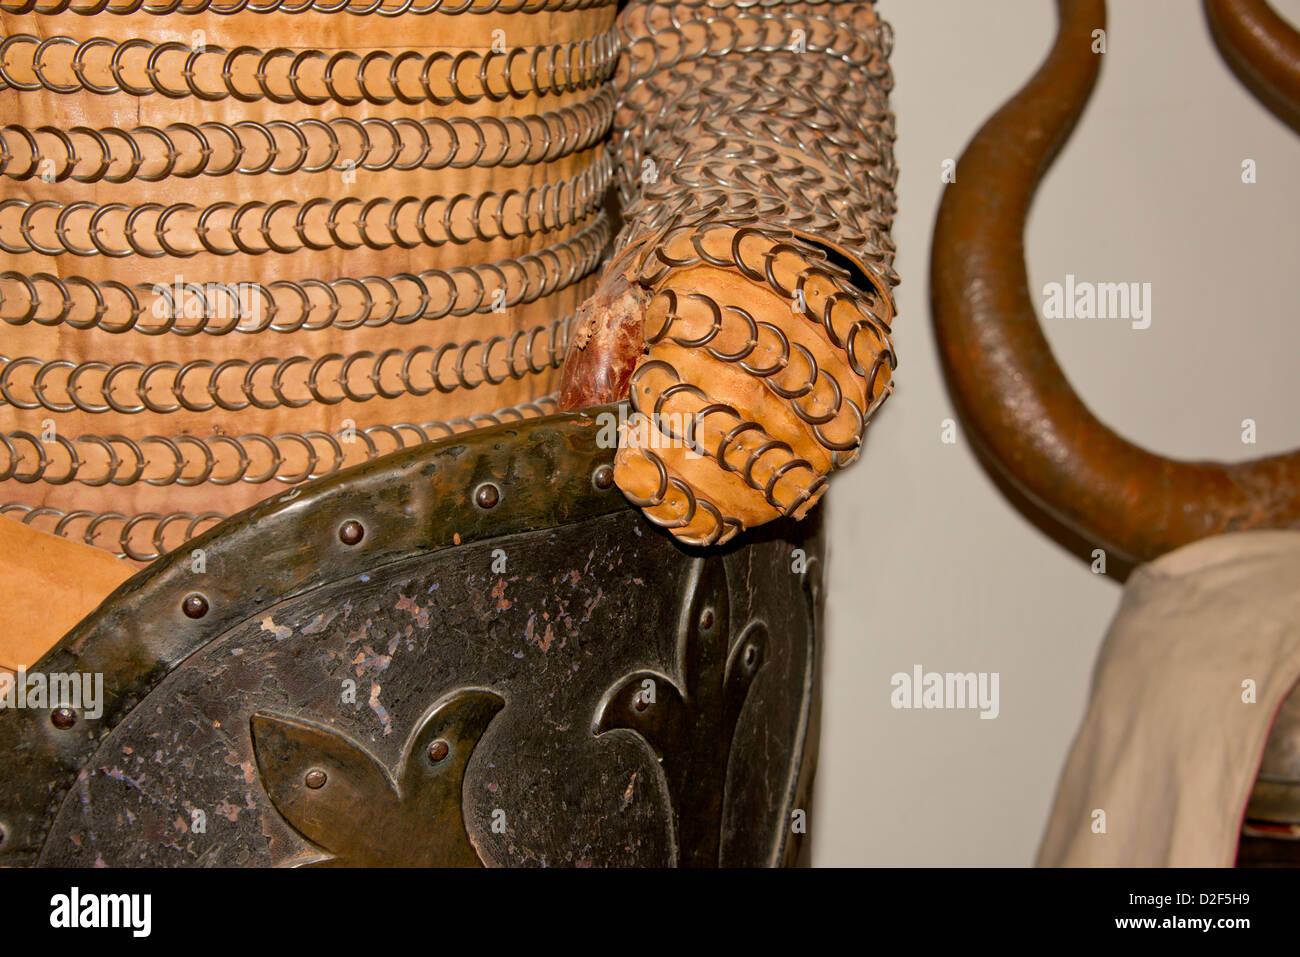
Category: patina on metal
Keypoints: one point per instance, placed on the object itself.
(1028, 423)
(1263, 50)
(334, 794)
(1019, 409)
(690, 728)
(443, 690)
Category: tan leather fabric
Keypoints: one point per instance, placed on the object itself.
(1169, 749)
(318, 36)
(50, 584)
(770, 119)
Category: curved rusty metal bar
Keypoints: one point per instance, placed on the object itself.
(1020, 410)
(1263, 50)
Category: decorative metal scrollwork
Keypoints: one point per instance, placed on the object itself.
(336, 795)
(690, 726)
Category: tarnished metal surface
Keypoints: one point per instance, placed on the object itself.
(334, 794)
(389, 666)
(1028, 423)
(690, 727)
(1263, 50)
(1018, 407)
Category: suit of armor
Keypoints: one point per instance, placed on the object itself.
(247, 245)
(271, 268)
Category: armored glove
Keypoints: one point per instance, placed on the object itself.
(746, 312)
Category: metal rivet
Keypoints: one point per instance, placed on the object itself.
(194, 606)
(351, 532)
(642, 702)
(604, 476)
(438, 750)
(2, 834)
(487, 495)
(315, 779)
(706, 619)
(63, 718)
(751, 654)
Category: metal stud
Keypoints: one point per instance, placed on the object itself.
(194, 605)
(487, 495)
(706, 618)
(603, 477)
(438, 750)
(351, 532)
(63, 718)
(314, 779)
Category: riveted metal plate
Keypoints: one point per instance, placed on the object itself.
(552, 681)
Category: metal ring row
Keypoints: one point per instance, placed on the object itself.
(772, 73)
(841, 451)
(241, 388)
(724, 527)
(721, 208)
(787, 143)
(154, 527)
(797, 114)
(780, 71)
(739, 100)
(655, 209)
(722, 36)
(816, 380)
(845, 113)
(284, 306)
(88, 229)
(793, 211)
(830, 211)
(669, 254)
(187, 460)
(404, 144)
(762, 446)
(674, 7)
(549, 69)
(359, 8)
(873, 248)
(651, 17)
(798, 118)
(820, 115)
(776, 212)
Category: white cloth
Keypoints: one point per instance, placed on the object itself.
(1168, 749)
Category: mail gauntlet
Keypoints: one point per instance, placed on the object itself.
(746, 310)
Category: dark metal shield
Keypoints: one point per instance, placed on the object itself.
(469, 652)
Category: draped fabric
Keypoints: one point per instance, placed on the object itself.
(1202, 653)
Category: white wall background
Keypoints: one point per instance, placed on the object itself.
(929, 563)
